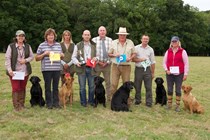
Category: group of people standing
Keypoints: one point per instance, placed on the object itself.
(112, 57)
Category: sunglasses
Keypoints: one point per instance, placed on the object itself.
(174, 41)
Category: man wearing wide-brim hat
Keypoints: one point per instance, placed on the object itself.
(121, 51)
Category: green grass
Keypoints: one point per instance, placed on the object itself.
(100, 123)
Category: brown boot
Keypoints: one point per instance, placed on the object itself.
(169, 106)
(178, 98)
(15, 101)
(21, 96)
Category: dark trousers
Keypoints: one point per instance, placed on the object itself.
(146, 77)
(51, 96)
(174, 79)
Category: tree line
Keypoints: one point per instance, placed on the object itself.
(160, 19)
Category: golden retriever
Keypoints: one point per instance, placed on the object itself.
(190, 102)
(66, 91)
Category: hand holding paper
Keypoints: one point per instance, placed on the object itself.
(121, 58)
(146, 64)
(18, 75)
(174, 69)
(54, 57)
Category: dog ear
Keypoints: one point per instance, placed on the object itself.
(31, 78)
(155, 80)
(125, 84)
(38, 79)
(183, 86)
(132, 83)
(101, 79)
(162, 80)
(190, 88)
(95, 78)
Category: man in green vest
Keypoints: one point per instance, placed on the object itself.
(84, 51)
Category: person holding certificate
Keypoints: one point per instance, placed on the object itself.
(18, 57)
(50, 53)
(176, 66)
(144, 70)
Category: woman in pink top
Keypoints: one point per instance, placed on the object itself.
(176, 66)
(18, 56)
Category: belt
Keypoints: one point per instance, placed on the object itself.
(121, 65)
(140, 67)
(88, 67)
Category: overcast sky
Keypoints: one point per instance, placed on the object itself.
(202, 5)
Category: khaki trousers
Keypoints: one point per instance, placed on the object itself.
(117, 72)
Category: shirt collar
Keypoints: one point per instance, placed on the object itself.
(102, 38)
(143, 47)
(119, 41)
(87, 43)
(16, 45)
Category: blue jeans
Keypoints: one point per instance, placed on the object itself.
(51, 96)
(82, 82)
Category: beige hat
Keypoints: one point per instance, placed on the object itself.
(20, 32)
(122, 31)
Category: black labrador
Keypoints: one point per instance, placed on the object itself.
(36, 92)
(99, 91)
(120, 98)
(161, 97)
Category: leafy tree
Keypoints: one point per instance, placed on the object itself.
(160, 19)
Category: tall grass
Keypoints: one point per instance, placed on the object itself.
(77, 122)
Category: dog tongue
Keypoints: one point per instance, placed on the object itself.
(67, 75)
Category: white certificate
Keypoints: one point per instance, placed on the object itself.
(174, 70)
(18, 75)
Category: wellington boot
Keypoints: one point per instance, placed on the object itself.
(178, 98)
(15, 101)
(21, 97)
(169, 106)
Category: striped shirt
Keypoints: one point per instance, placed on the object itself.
(99, 49)
(46, 64)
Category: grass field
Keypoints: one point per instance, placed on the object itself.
(100, 123)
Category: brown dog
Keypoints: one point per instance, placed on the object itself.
(190, 102)
(66, 91)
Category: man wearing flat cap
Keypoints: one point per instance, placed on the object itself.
(121, 51)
